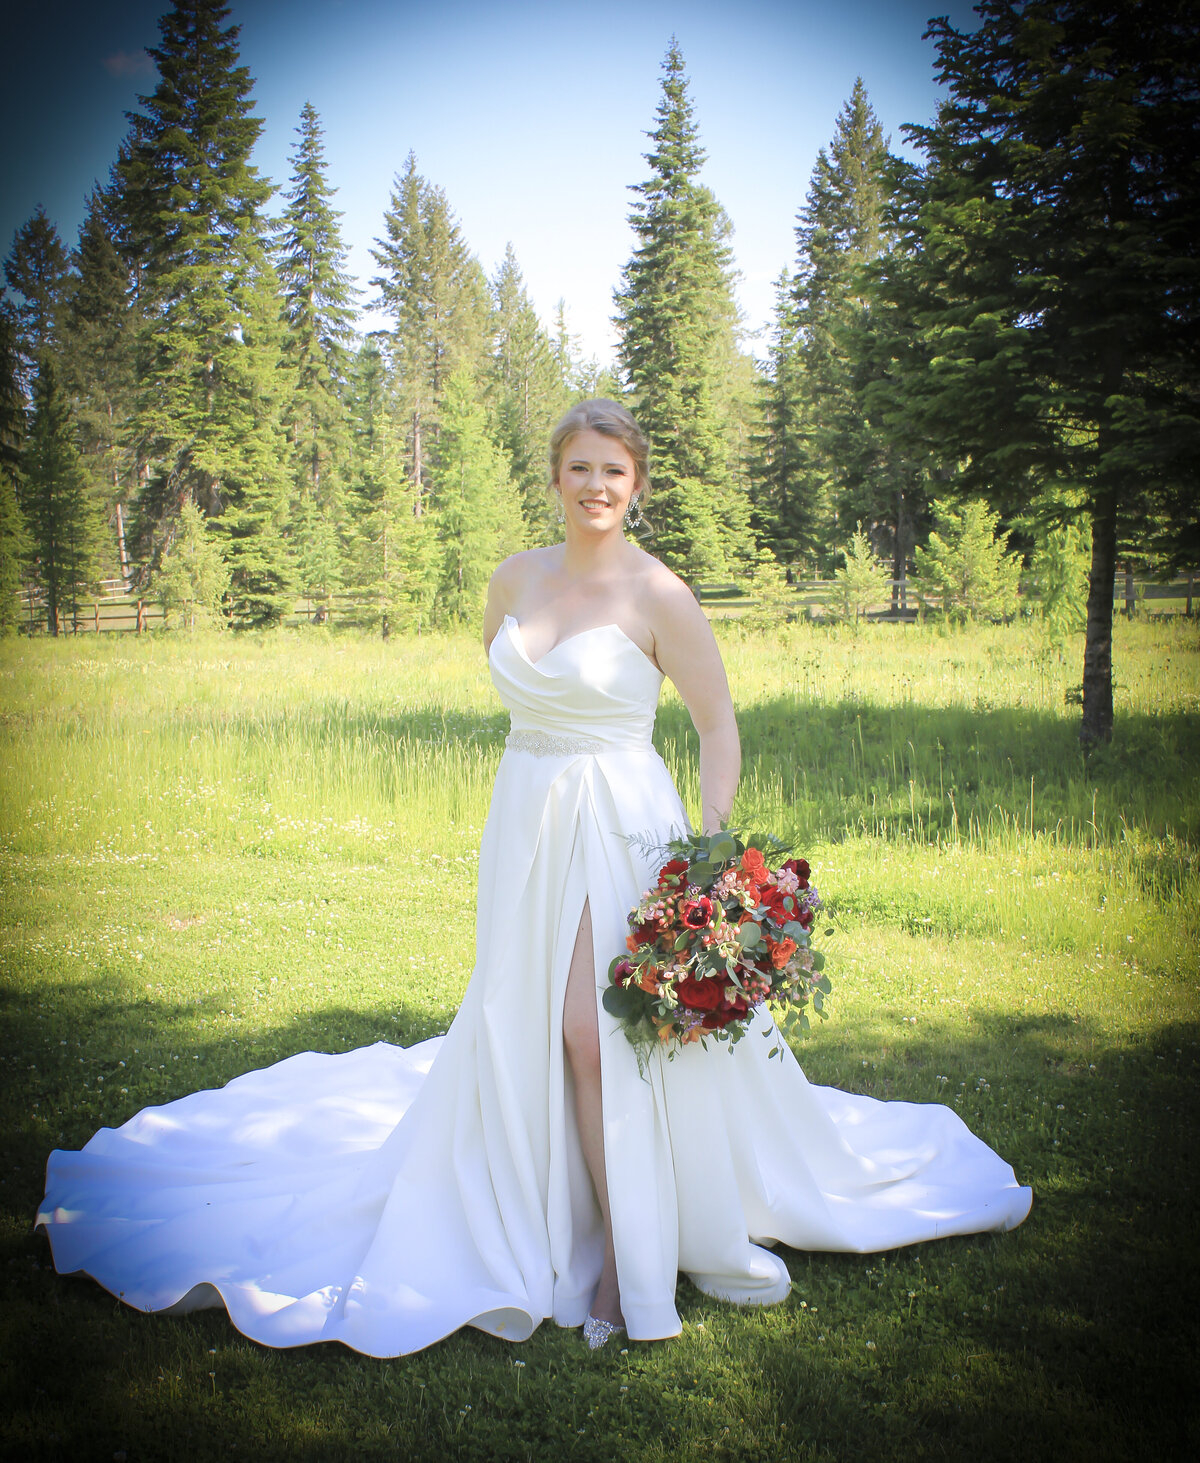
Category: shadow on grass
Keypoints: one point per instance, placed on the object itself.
(987, 1346)
(848, 767)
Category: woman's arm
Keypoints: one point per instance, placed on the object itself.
(687, 652)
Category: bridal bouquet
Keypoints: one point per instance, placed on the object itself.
(719, 935)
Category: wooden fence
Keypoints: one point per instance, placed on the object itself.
(116, 609)
(899, 599)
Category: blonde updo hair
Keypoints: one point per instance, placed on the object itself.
(612, 420)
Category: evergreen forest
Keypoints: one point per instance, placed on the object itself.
(980, 389)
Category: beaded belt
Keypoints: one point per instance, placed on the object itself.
(546, 744)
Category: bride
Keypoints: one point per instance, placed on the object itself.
(521, 1167)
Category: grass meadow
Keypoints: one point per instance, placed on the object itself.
(218, 851)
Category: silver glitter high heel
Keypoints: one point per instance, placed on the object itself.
(596, 1332)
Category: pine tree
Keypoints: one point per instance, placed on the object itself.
(965, 565)
(99, 360)
(212, 383)
(37, 270)
(834, 458)
(367, 401)
(394, 554)
(318, 300)
(14, 552)
(63, 524)
(1049, 276)
(14, 536)
(773, 601)
(529, 396)
(475, 503)
(436, 292)
(677, 322)
(192, 578)
(1058, 573)
(791, 510)
(862, 582)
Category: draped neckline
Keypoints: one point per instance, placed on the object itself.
(517, 636)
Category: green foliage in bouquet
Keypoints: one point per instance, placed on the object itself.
(719, 936)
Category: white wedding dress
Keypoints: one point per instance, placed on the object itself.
(387, 1196)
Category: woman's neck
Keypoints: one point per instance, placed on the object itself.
(593, 556)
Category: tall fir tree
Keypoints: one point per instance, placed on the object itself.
(212, 384)
(436, 293)
(14, 536)
(394, 556)
(677, 321)
(37, 270)
(99, 357)
(1050, 276)
(529, 395)
(319, 304)
(831, 457)
(64, 526)
(476, 503)
(790, 508)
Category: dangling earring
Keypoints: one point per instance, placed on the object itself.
(633, 514)
(558, 508)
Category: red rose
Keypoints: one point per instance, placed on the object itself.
(728, 1011)
(697, 913)
(699, 995)
(776, 903)
(669, 873)
(644, 934)
(799, 867)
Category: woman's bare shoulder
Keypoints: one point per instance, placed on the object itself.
(517, 571)
(663, 592)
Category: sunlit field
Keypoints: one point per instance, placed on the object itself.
(216, 851)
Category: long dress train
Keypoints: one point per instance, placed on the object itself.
(386, 1197)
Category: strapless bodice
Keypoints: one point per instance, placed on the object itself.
(594, 691)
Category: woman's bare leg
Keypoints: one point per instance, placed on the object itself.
(581, 1039)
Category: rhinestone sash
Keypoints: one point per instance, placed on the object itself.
(547, 744)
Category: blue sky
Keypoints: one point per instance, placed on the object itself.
(531, 116)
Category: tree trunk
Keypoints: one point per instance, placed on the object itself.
(121, 550)
(1130, 597)
(899, 558)
(1097, 654)
(418, 464)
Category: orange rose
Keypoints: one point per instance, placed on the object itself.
(631, 945)
(782, 952)
(648, 980)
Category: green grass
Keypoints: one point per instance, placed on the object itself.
(215, 852)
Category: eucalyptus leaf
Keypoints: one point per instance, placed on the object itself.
(619, 1001)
